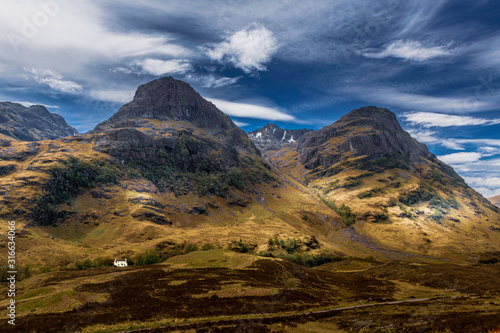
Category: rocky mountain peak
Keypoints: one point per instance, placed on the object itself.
(369, 132)
(372, 116)
(32, 124)
(168, 99)
(271, 137)
(167, 92)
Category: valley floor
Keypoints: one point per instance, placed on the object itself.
(222, 291)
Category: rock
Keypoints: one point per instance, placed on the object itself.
(271, 137)
(32, 124)
(370, 131)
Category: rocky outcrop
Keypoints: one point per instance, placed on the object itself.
(271, 137)
(369, 131)
(168, 122)
(32, 124)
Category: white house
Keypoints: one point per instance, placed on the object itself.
(120, 263)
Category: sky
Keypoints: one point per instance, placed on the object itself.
(298, 64)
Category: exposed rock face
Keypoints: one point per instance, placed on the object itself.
(369, 131)
(32, 124)
(169, 120)
(271, 137)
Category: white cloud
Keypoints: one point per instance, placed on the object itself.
(430, 137)
(480, 173)
(115, 96)
(54, 80)
(424, 102)
(28, 104)
(461, 158)
(161, 67)
(240, 124)
(250, 111)
(429, 119)
(410, 50)
(248, 49)
(212, 81)
(487, 186)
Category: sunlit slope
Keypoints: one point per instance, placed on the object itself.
(400, 195)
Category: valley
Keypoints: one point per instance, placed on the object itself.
(355, 227)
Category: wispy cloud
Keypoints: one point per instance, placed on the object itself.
(430, 119)
(161, 67)
(429, 103)
(248, 49)
(431, 137)
(461, 158)
(212, 81)
(410, 50)
(54, 80)
(28, 104)
(113, 95)
(251, 111)
(488, 186)
(240, 124)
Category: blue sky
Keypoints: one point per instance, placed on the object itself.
(436, 64)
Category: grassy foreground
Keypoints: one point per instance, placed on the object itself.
(223, 291)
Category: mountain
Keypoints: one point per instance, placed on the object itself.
(390, 184)
(168, 121)
(32, 124)
(174, 186)
(167, 168)
(495, 200)
(170, 168)
(271, 137)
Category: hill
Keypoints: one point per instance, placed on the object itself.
(355, 223)
(386, 183)
(168, 168)
(495, 200)
(32, 124)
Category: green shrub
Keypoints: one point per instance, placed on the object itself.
(265, 254)
(66, 181)
(344, 211)
(44, 270)
(190, 247)
(381, 216)
(352, 183)
(423, 193)
(309, 260)
(207, 246)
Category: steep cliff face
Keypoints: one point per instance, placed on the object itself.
(168, 121)
(32, 124)
(370, 132)
(271, 137)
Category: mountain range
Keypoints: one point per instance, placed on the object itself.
(222, 217)
(170, 160)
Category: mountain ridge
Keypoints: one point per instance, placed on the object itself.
(32, 123)
(155, 174)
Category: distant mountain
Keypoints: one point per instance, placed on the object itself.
(271, 137)
(32, 124)
(389, 183)
(495, 200)
(171, 168)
